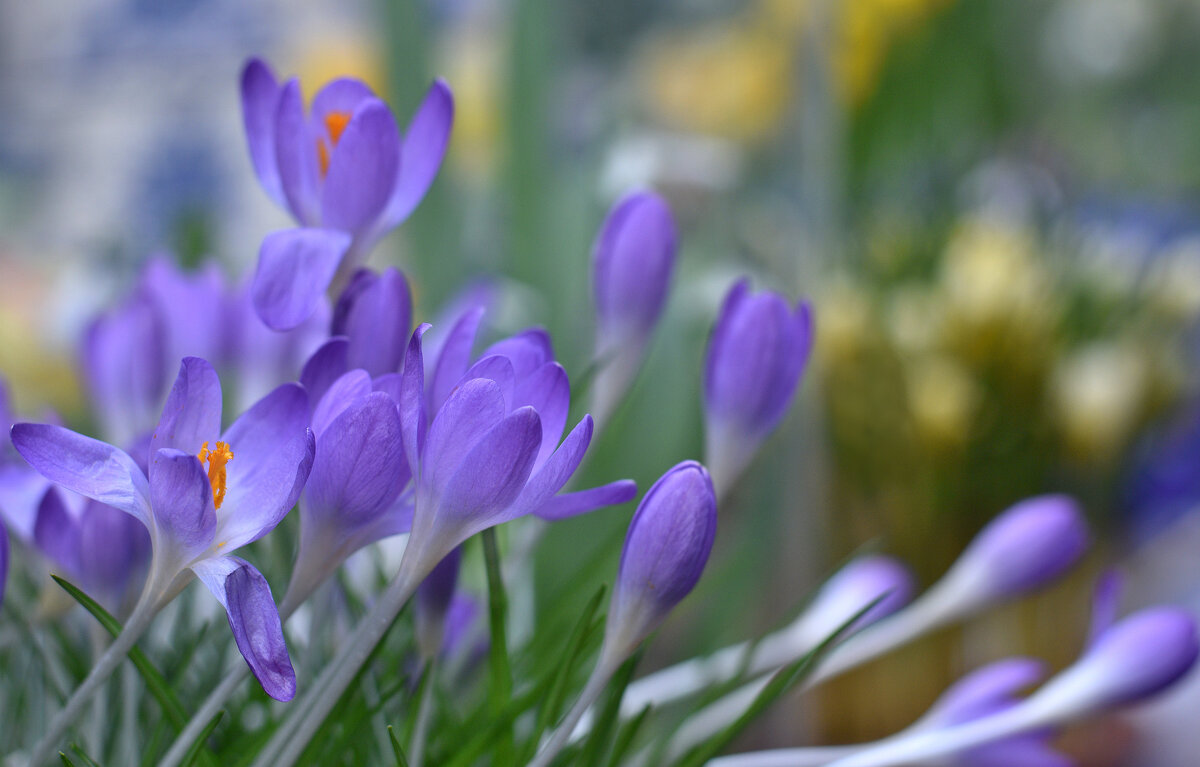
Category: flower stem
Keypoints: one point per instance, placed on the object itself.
(137, 624)
(562, 734)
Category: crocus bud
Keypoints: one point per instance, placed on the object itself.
(1135, 659)
(433, 603)
(666, 548)
(1027, 546)
(852, 588)
(632, 261)
(756, 355)
(374, 312)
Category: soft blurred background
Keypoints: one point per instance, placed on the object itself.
(993, 204)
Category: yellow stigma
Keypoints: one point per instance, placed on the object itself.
(335, 123)
(217, 458)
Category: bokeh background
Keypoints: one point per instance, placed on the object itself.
(993, 204)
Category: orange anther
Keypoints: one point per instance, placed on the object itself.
(217, 458)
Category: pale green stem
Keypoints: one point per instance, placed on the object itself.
(562, 734)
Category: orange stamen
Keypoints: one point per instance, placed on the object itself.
(335, 125)
(217, 458)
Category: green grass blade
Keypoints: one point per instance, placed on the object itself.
(399, 752)
(193, 752)
(608, 714)
(87, 760)
(499, 672)
(626, 737)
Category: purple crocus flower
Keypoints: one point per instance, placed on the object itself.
(207, 493)
(666, 548)
(353, 496)
(632, 262)
(103, 549)
(1028, 545)
(21, 488)
(491, 452)
(665, 551)
(849, 590)
(342, 171)
(756, 355)
(374, 313)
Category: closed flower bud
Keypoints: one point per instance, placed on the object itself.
(374, 312)
(756, 355)
(667, 545)
(1027, 546)
(632, 262)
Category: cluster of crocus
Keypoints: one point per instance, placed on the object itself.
(374, 429)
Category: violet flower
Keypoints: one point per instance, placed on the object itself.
(756, 355)
(353, 496)
(632, 262)
(666, 548)
(100, 548)
(342, 171)
(207, 493)
(374, 313)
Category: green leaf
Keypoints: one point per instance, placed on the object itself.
(87, 760)
(65, 760)
(626, 736)
(609, 713)
(500, 674)
(490, 732)
(781, 682)
(552, 705)
(193, 752)
(399, 752)
(154, 680)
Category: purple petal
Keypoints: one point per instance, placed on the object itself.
(1031, 751)
(359, 468)
(192, 415)
(325, 366)
(633, 258)
(1106, 603)
(665, 551)
(421, 154)
(491, 475)
(469, 413)
(362, 169)
(273, 454)
(454, 358)
(182, 499)
(295, 266)
(260, 100)
(116, 548)
(858, 584)
(500, 370)
(551, 477)
(56, 532)
(548, 391)
(350, 387)
(254, 619)
(528, 351)
(583, 501)
(296, 155)
(412, 401)
(343, 95)
(376, 318)
(87, 466)
(1137, 658)
(123, 353)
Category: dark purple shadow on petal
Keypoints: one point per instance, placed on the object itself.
(324, 367)
(412, 401)
(377, 321)
(56, 532)
(295, 266)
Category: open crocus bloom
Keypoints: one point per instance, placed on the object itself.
(205, 495)
(492, 450)
(344, 173)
